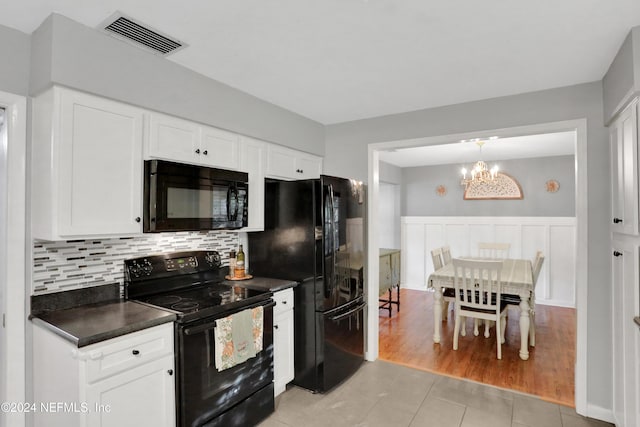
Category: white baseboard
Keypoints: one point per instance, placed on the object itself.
(600, 413)
(555, 303)
(413, 287)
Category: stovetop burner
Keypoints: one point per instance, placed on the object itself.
(187, 283)
(164, 300)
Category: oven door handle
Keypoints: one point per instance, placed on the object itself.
(205, 327)
(348, 313)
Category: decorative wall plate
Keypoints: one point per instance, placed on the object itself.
(552, 186)
(441, 190)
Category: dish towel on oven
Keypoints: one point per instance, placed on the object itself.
(238, 337)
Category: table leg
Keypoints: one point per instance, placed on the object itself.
(437, 314)
(524, 327)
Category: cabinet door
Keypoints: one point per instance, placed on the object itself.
(100, 166)
(309, 167)
(219, 148)
(623, 135)
(283, 368)
(385, 272)
(144, 396)
(171, 138)
(281, 162)
(624, 306)
(252, 160)
(395, 268)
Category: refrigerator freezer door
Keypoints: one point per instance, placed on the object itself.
(343, 241)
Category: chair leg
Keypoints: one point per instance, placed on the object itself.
(503, 325)
(475, 328)
(456, 328)
(532, 329)
(463, 326)
(499, 338)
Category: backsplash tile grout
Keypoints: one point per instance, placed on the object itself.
(76, 264)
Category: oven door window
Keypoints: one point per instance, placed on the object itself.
(203, 391)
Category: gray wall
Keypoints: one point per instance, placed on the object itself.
(346, 148)
(68, 53)
(419, 197)
(14, 56)
(390, 173)
(622, 81)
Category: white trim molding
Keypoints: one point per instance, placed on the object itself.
(554, 236)
(13, 279)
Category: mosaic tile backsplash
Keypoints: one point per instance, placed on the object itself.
(74, 264)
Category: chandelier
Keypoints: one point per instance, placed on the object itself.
(480, 173)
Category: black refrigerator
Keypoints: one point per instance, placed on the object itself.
(315, 234)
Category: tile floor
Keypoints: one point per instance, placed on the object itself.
(389, 395)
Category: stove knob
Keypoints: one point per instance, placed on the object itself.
(147, 268)
(135, 270)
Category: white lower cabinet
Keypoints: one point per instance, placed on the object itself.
(283, 346)
(124, 381)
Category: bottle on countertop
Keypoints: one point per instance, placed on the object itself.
(239, 270)
(232, 263)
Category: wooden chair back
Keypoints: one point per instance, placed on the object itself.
(436, 258)
(478, 285)
(493, 250)
(446, 255)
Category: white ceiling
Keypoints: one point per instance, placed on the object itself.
(340, 60)
(520, 147)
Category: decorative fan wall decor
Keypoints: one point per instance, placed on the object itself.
(502, 187)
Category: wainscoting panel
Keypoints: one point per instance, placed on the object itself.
(554, 236)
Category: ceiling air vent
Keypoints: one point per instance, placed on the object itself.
(127, 29)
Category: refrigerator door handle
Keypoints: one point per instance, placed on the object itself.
(333, 242)
(348, 313)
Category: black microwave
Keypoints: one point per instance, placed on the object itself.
(181, 197)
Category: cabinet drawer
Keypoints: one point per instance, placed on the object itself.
(126, 352)
(284, 301)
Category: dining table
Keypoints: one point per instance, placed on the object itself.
(516, 279)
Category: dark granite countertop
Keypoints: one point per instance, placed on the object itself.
(92, 323)
(264, 283)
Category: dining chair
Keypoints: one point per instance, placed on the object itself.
(446, 255)
(447, 293)
(493, 250)
(478, 287)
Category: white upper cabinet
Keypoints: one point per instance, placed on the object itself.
(171, 138)
(252, 161)
(623, 137)
(87, 166)
(284, 163)
(179, 140)
(220, 148)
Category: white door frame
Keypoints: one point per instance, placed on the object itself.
(12, 278)
(579, 126)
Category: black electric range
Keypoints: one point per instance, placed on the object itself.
(191, 284)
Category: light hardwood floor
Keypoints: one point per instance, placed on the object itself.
(406, 338)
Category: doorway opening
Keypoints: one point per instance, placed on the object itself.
(578, 127)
